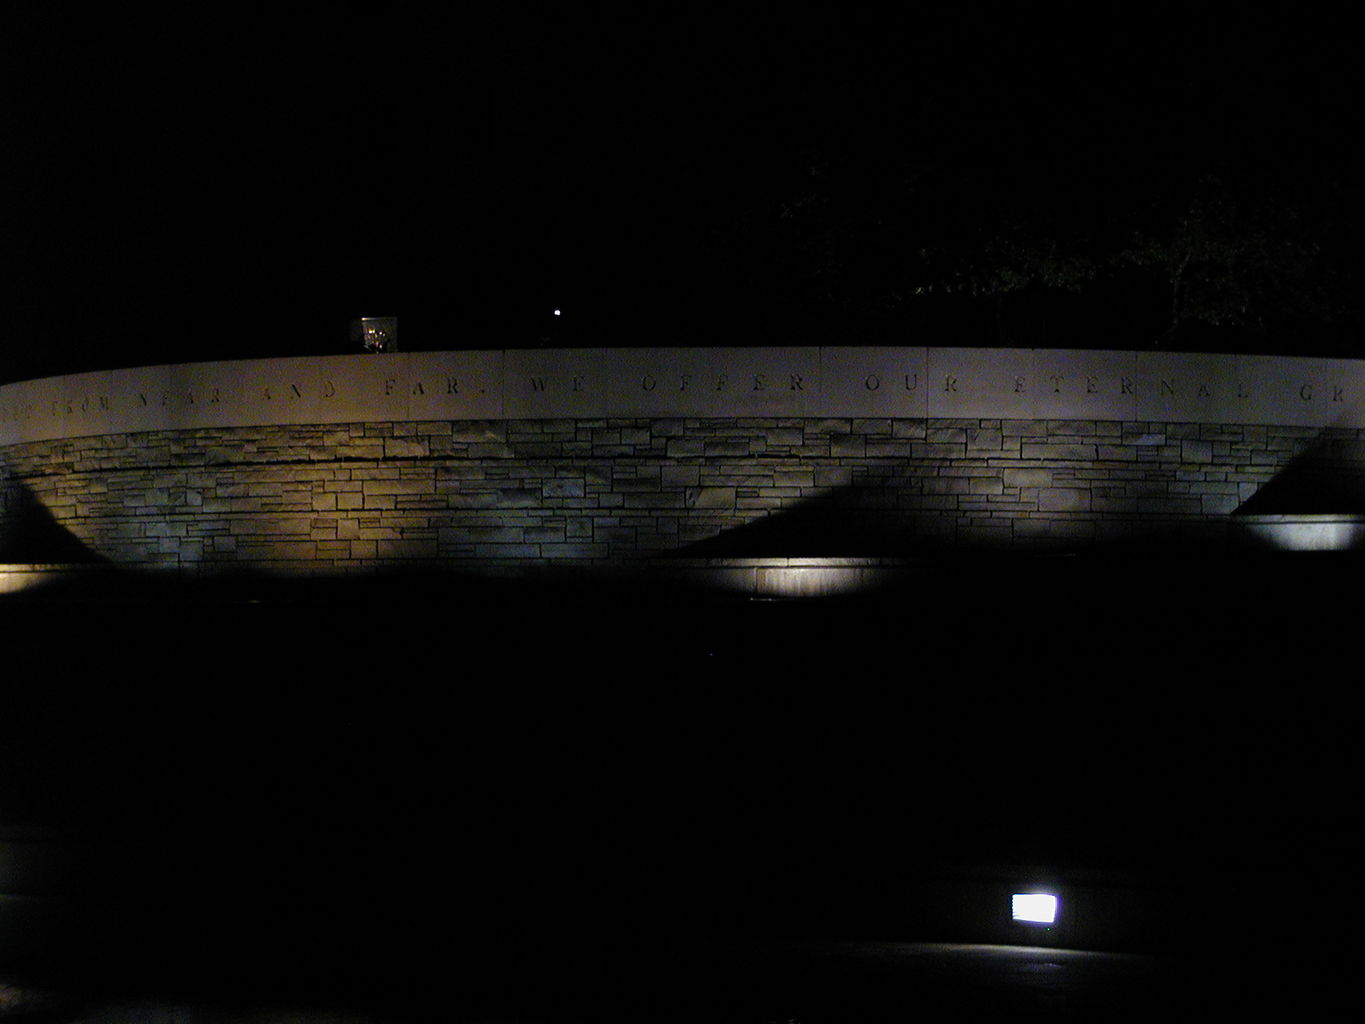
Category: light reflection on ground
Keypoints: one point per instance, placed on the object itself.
(759, 983)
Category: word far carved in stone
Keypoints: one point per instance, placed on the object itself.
(448, 386)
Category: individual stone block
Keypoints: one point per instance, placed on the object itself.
(425, 486)
(399, 448)
(986, 485)
(1027, 477)
(654, 499)
(1196, 451)
(871, 426)
(946, 485)
(710, 497)
(1116, 453)
(1023, 428)
(1059, 452)
(848, 446)
(930, 450)
(1113, 505)
(680, 476)
(946, 435)
(685, 447)
(780, 437)
(833, 476)
(1063, 499)
(478, 430)
(1070, 428)
(1218, 504)
(909, 430)
(794, 477)
(563, 487)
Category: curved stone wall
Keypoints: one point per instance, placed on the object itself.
(609, 457)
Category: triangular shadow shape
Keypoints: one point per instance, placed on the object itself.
(1327, 479)
(850, 522)
(30, 535)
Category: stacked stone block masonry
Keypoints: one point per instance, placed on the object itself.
(603, 492)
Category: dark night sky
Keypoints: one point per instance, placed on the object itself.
(181, 187)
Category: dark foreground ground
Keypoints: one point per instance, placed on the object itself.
(828, 981)
(520, 801)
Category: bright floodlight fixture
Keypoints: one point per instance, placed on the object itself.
(1034, 907)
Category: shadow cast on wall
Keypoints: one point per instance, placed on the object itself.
(889, 517)
(30, 535)
(851, 522)
(869, 522)
(879, 519)
(1328, 478)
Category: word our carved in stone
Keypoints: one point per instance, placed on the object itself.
(873, 382)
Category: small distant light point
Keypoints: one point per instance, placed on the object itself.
(556, 312)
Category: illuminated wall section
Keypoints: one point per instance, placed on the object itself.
(802, 469)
